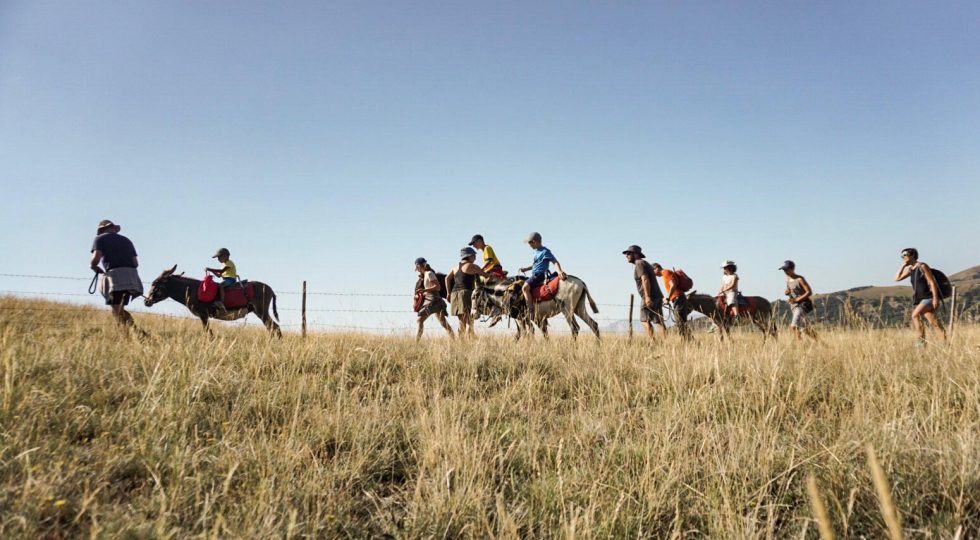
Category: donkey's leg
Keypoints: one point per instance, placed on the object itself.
(270, 323)
(763, 328)
(207, 325)
(572, 323)
(583, 314)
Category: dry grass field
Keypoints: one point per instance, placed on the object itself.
(362, 436)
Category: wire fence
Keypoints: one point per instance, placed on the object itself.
(322, 315)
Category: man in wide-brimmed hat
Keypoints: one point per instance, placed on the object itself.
(651, 311)
(118, 281)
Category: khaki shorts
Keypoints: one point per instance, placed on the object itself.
(462, 301)
(799, 317)
(431, 307)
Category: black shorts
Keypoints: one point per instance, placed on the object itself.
(118, 298)
(535, 279)
(652, 315)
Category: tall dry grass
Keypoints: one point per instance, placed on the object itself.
(363, 436)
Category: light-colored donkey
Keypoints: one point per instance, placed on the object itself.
(505, 298)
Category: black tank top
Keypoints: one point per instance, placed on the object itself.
(920, 286)
(462, 280)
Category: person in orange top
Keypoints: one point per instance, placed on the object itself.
(675, 299)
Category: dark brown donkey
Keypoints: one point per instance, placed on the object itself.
(184, 290)
(761, 316)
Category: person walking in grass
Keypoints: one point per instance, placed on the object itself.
(228, 274)
(925, 294)
(432, 302)
(119, 281)
(491, 264)
(543, 258)
(460, 281)
(651, 311)
(800, 300)
(676, 300)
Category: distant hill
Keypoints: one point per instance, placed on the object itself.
(889, 306)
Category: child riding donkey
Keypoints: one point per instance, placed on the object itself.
(228, 274)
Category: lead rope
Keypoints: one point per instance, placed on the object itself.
(95, 282)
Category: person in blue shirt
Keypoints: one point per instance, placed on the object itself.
(539, 268)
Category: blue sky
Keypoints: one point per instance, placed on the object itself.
(336, 142)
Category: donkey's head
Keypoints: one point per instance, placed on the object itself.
(158, 289)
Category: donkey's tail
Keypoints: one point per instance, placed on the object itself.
(275, 311)
(592, 304)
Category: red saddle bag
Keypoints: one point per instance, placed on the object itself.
(207, 291)
(238, 295)
(547, 291)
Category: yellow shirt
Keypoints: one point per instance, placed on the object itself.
(229, 270)
(489, 259)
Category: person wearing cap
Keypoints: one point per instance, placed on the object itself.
(432, 302)
(228, 274)
(460, 281)
(729, 286)
(800, 300)
(543, 258)
(114, 259)
(651, 310)
(676, 298)
(925, 294)
(491, 263)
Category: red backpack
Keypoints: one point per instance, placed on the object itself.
(682, 282)
(207, 291)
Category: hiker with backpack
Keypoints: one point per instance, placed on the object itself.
(929, 287)
(800, 300)
(676, 283)
(651, 309)
(428, 299)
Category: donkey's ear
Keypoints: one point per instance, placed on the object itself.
(180, 274)
(170, 271)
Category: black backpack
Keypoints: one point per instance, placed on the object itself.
(942, 282)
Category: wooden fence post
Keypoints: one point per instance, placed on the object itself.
(304, 309)
(630, 320)
(952, 314)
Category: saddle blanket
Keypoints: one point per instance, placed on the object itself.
(747, 308)
(546, 291)
(236, 296)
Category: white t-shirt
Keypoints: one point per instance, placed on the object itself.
(728, 280)
(429, 280)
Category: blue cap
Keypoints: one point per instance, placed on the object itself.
(420, 260)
